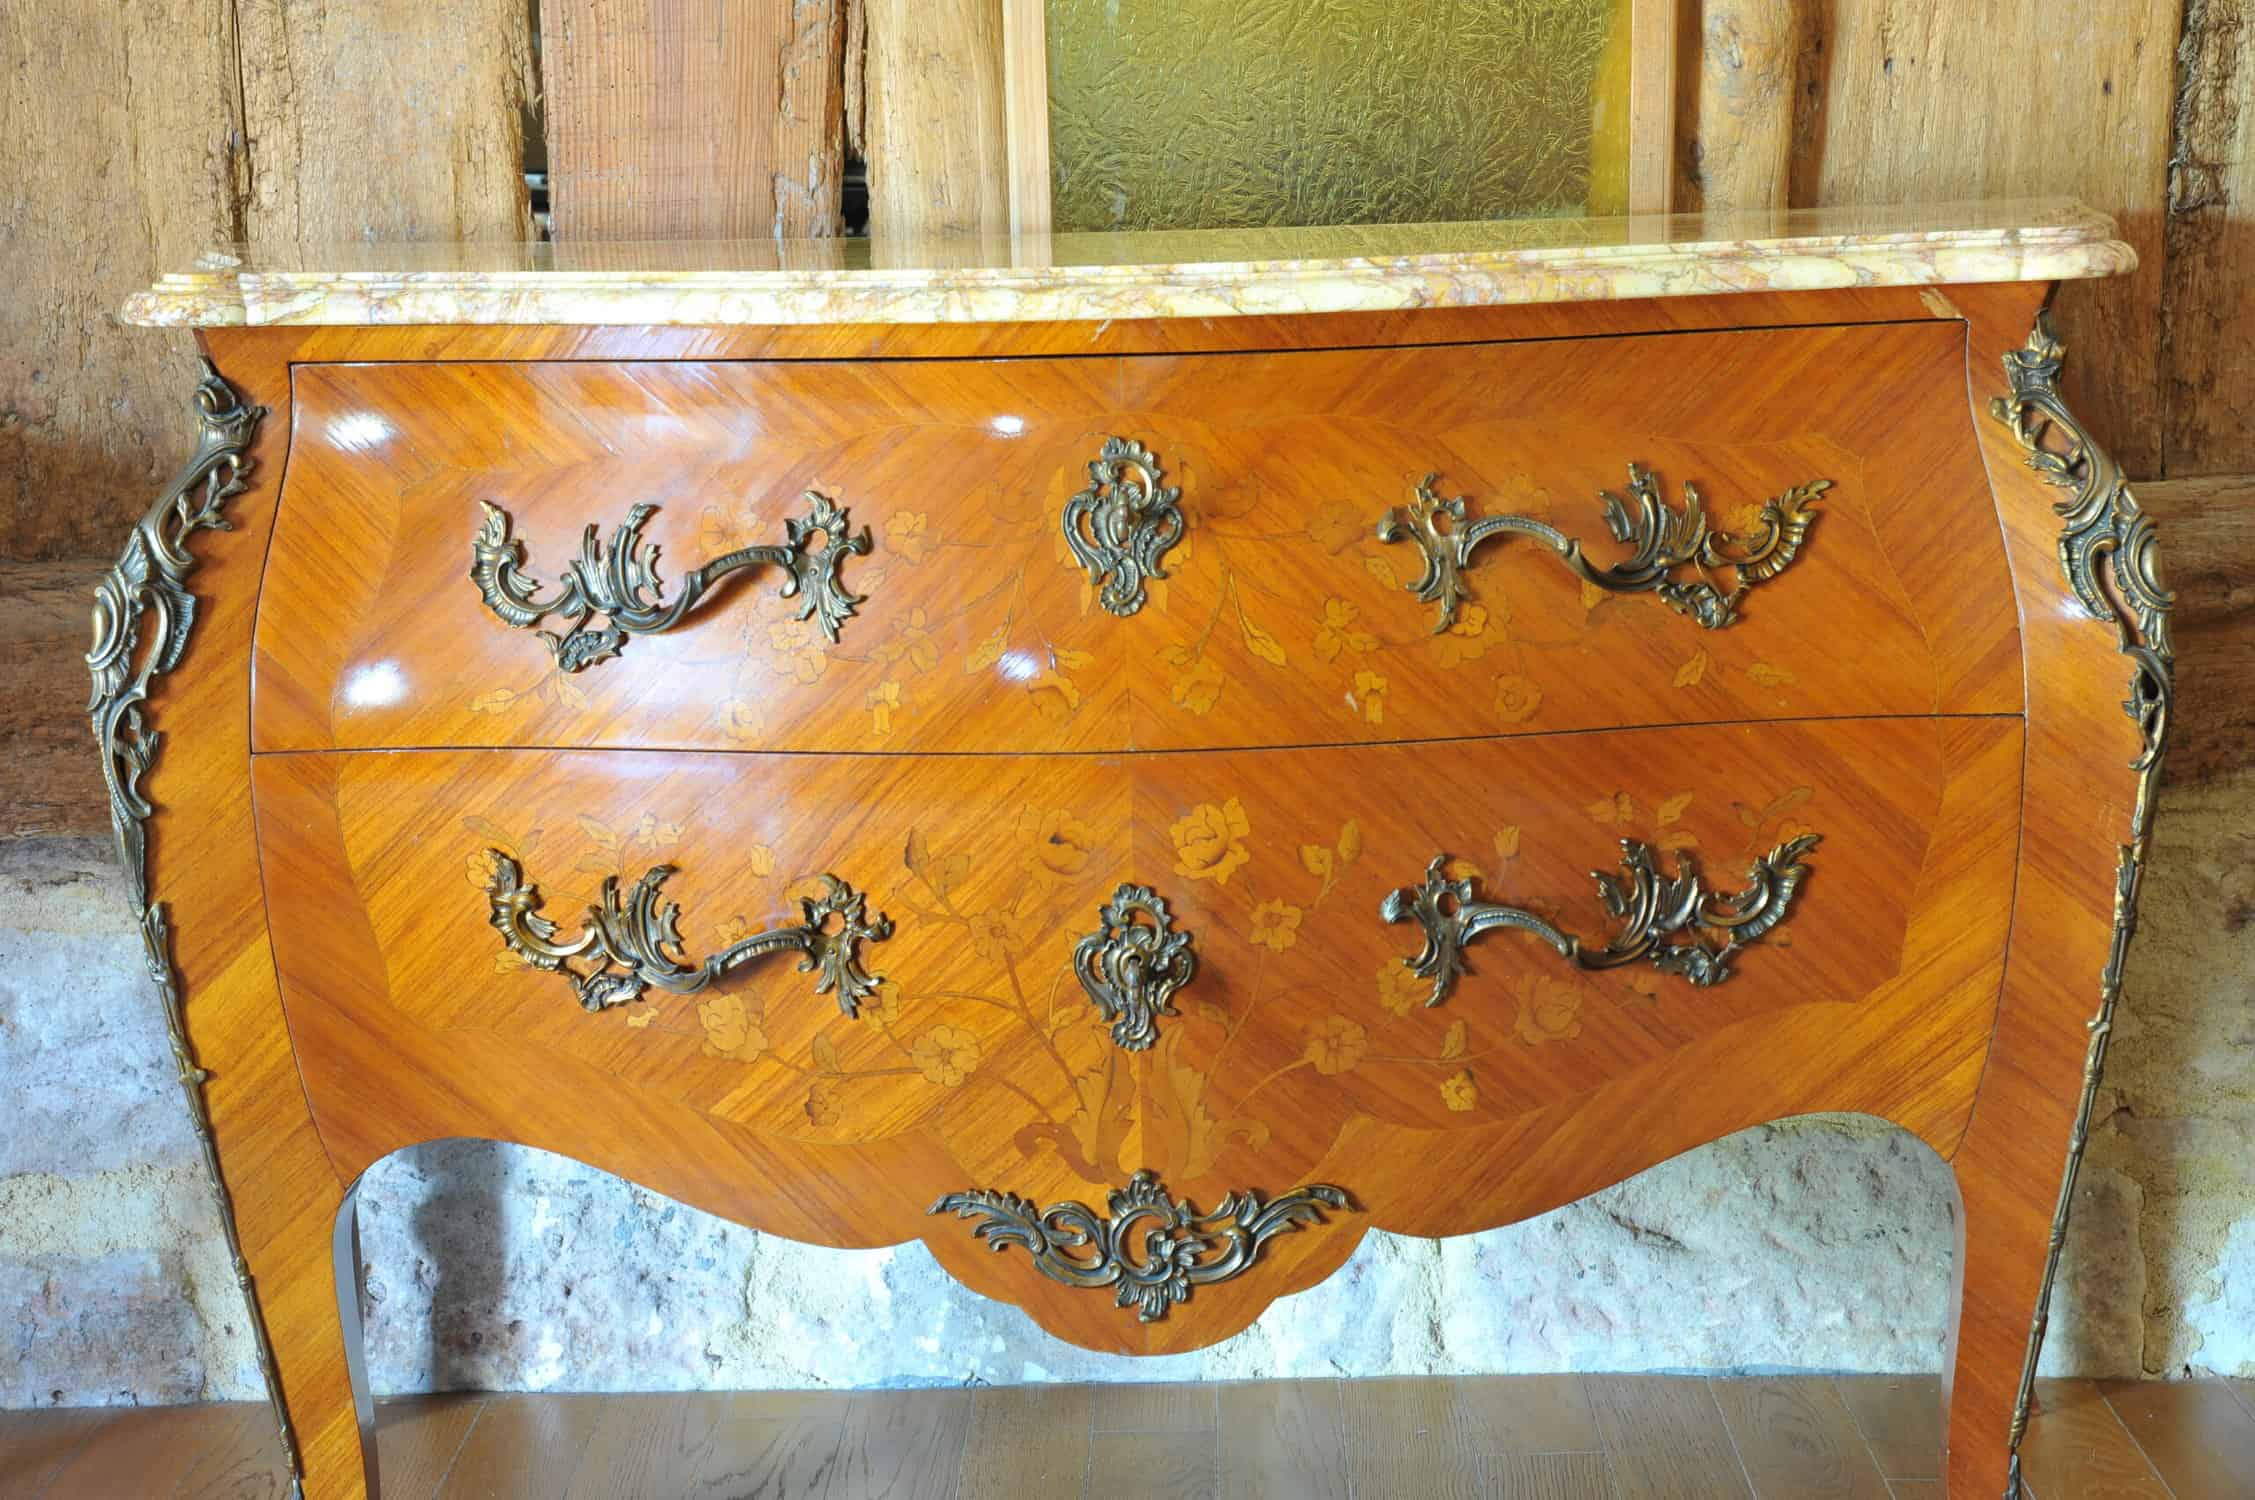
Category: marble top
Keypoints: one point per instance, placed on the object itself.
(1207, 273)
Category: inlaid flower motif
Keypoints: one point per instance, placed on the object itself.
(730, 1029)
(797, 650)
(1061, 842)
(1209, 841)
(1465, 639)
(882, 701)
(1549, 1010)
(822, 1103)
(1459, 1092)
(881, 1006)
(724, 530)
(1517, 698)
(905, 535)
(1056, 696)
(1276, 925)
(946, 1055)
(1336, 632)
(912, 639)
(741, 721)
(1336, 1045)
(995, 935)
(1399, 988)
(1336, 525)
(1197, 687)
(1368, 700)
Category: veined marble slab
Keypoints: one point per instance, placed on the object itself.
(1181, 274)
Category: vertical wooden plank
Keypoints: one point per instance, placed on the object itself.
(1665, 1439)
(2209, 299)
(1409, 1437)
(1652, 106)
(1910, 101)
(1901, 1420)
(2077, 1449)
(1795, 1437)
(1025, 113)
(2208, 526)
(121, 147)
(418, 1438)
(1742, 152)
(1287, 1440)
(1026, 1440)
(522, 1445)
(938, 159)
(694, 119)
(2197, 1436)
(384, 120)
(901, 1445)
(775, 1445)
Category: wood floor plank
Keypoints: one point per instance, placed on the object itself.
(146, 1451)
(1917, 1489)
(1165, 1465)
(1409, 1437)
(2077, 1449)
(2195, 1433)
(1665, 1439)
(902, 1445)
(1286, 1440)
(1507, 1414)
(1900, 1417)
(522, 1445)
(772, 1445)
(1173, 1406)
(1548, 1476)
(648, 1447)
(36, 1445)
(1797, 1441)
(417, 1438)
(242, 1460)
(1026, 1440)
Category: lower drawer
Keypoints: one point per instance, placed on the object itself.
(1295, 1043)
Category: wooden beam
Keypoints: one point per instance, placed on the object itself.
(50, 772)
(2208, 557)
(1910, 101)
(2208, 298)
(1025, 113)
(1743, 131)
(938, 159)
(1652, 106)
(694, 119)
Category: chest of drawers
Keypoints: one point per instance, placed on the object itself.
(1102, 761)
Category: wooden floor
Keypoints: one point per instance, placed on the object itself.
(1626, 1437)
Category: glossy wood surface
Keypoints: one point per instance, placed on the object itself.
(1929, 1046)
(1283, 619)
(1304, 1051)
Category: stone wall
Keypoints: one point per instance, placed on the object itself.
(1820, 1243)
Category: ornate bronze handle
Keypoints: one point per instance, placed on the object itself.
(1651, 908)
(1151, 1247)
(1132, 968)
(635, 940)
(1665, 539)
(1121, 526)
(620, 582)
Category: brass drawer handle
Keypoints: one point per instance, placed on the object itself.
(1121, 526)
(635, 940)
(1132, 968)
(1651, 908)
(1665, 539)
(620, 582)
(1153, 1248)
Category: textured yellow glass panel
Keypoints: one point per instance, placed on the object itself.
(1170, 114)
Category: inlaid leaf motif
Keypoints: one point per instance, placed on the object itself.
(824, 1052)
(759, 859)
(1198, 687)
(1368, 700)
(1690, 672)
(1617, 810)
(1318, 861)
(640, 1018)
(1453, 1043)
(1549, 1010)
(1382, 570)
(1765, 675)
(493, 702)
(598, 833)
(905, 535)
(1072, 661)
(883, 703)
(1350, 842)
(1459, 1092)
(1507, 842)
(1057, 696)
(1336, 631)
(568, 692)
(1184, 1139)
(1260, 642)
(731, 1028)
(988, 651)
(1672, 810)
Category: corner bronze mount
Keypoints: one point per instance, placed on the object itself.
(620, 581)
(1180, 1247)
(1131, 969)
(1120, 527)
(2101, 522)
(635, 940)
(1666, 539)
(1649, 908)
(143, 614)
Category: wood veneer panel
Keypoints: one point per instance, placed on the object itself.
(1283, 620)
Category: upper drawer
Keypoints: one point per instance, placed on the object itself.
(1281, 618)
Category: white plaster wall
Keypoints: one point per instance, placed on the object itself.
(1813, 1244)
